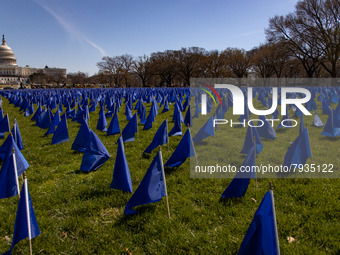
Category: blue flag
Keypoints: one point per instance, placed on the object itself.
(114, 125)
(80, 142)
(130, 129)
(101, 124)
(188, 118)
(184, 150)
(317, 121)
(55, 122)
(152, 187)
(205, 131)
(61, 134)
(261, 237)
(16, 135)
(299, 151)
(248, 141)
(29, 110)
(332, 128)
(239, 185)
(166, 107)
(95, 153)
(266, 131)
(160, 138)
(150, 119)
(177, 128)
(121, 175)
(4, 126)
(26, 224)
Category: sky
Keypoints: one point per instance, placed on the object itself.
(76, 34)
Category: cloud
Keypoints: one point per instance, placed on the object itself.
(71, 29)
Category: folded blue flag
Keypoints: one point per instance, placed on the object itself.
(61, 134)
(26, 224)
(160, 138)
(261, 237)
(121, 175)
(152, 187)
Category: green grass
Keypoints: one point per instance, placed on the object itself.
(78, 213)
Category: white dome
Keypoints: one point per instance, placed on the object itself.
(7, 57)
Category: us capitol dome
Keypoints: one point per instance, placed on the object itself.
(12, 74)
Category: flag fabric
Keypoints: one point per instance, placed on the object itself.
(30, 110)
(261, 237)
(177, 128)
(4, 126)
(299, 151)
(160, 138)
(130, 129)
(152, 187)
(114, 125)
(150, 119)
(286, 120)
(61, 133)
(265, 131)
(16, 135)
(101, 124)
(166, 107)
(26, 224)
(317, 121)
(95, 154)
(80, 142)
(248, 141)
(239, 185)
(188, 118)
(121, 175)
(54, 123)
(184, 150)
(44, 119)
(332, 128)
(205, 131)
(6, 150)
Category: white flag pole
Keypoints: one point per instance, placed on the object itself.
(28, 213)
(163, 173)
(16, 171)
(274, 218)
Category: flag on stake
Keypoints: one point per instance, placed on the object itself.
(101, 124)
(17, 136)
(130, 129)
(184, 150)
(61, 134)
(317, 121)
(95, 154)
(240, 183)
(266, 130)
(151, 189)
(114, 125)
(26, 224)
(160, 138)
(80, 142)
(177, 128)
(121, 175)
(4, 126)
(205, 131)
(262, 235)
(248, 141)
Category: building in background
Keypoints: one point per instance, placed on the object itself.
(12, 74)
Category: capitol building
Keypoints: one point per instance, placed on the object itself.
(12, 74)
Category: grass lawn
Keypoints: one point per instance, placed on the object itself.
(78, 213)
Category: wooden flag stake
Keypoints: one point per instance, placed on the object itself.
(166, 192)
(16, 172)
(274, 217)
(311, 155)
(28, 213)
(254, 141)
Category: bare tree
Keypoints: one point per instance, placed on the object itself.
(142, 68)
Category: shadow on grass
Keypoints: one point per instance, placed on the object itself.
(231, 201)
(328, 138)
(281, 130)
(128, 221)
